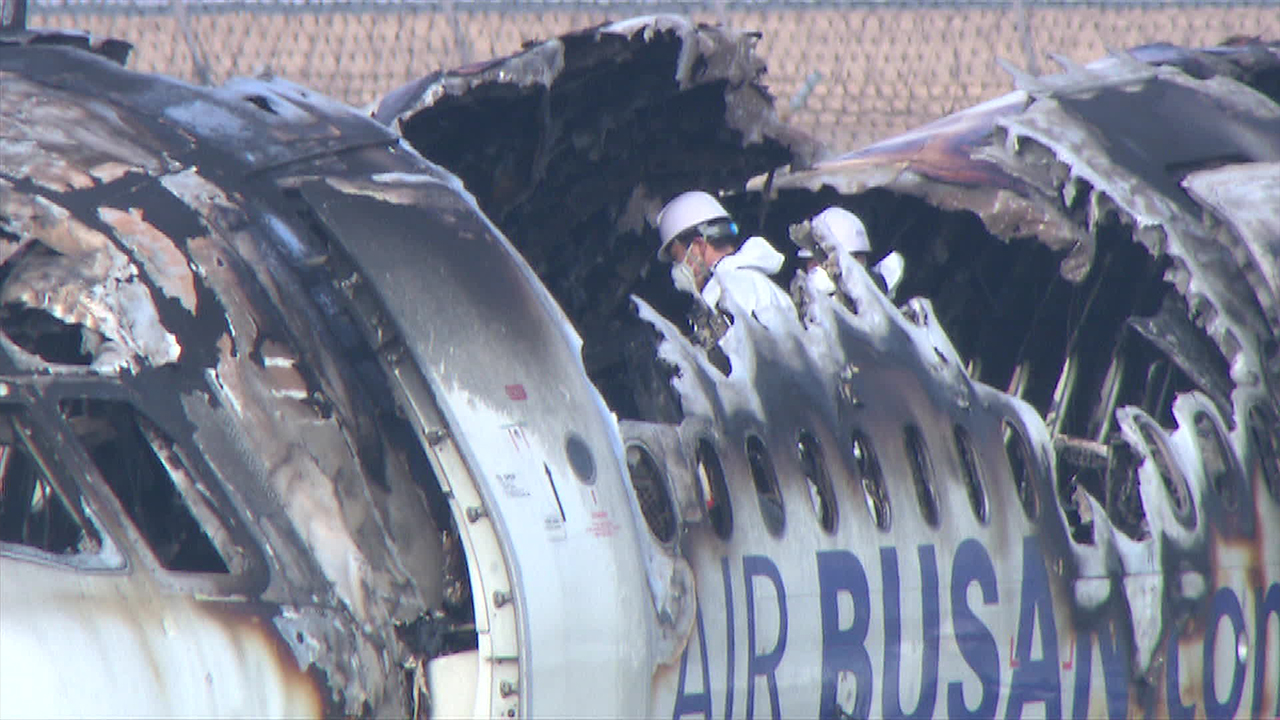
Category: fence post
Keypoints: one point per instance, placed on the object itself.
(13, 15)
(198, 61)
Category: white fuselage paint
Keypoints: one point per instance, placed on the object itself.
(82, 644)
(968, 618)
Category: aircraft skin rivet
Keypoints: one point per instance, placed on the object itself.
(394, 353)
(500, 598)
(474, 513)
(506, 688)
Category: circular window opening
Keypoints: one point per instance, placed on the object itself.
(1175, 484)
(972, 480)
(1018, 451)
(715, 493)
(873, 489)
(1218, 460)
(580, 459)
(820, 493)
(921, 474)
(1264, 434)
(651, 493)
(766, 482)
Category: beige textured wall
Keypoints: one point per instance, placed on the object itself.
(883, 70)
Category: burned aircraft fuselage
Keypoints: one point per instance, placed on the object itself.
(1062, 463)
(290, 427)
(243, 404)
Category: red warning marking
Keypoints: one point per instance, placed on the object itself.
(601, 526)
(1071, 661)
(516, 392)
(1013, 658)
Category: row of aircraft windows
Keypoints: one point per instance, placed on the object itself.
(656, 506)
(1219, 466)
(143, 469)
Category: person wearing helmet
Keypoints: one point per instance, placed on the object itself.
(811, 281)
(708, 261)
(837, 230)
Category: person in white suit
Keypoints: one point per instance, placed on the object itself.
(710, 261)
(839, 232)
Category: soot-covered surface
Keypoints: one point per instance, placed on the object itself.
(573, 145)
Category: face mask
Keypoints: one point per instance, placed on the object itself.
(683, 277)
(689, 274)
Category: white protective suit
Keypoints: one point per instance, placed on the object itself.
(740, 284)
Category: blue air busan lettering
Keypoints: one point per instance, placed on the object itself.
(922, 644)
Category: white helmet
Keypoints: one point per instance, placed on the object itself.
(684, 211)
(840, 229)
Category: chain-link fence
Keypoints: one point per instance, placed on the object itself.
(847, 72)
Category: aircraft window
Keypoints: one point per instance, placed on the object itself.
(1174, 483)
(142, 467)
(651, 493)
(715, 492)
(1019, 455)
(766, 482)
(1218, 460)
(1265, 434)
(820, 493)
(972, 478)
(921, 474)
(580, 459)
(872, 479)
(32, 511)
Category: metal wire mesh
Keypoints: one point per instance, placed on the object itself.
(849, 73)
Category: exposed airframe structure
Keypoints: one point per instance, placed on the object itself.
(251, 417)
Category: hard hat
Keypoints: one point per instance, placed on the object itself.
(841, 229)
(684, 211)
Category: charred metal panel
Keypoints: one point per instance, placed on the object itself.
(1144, 349)
(571, 145)
(1240, 197)
(152, 258)
(1085, 163)
(502, 360)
